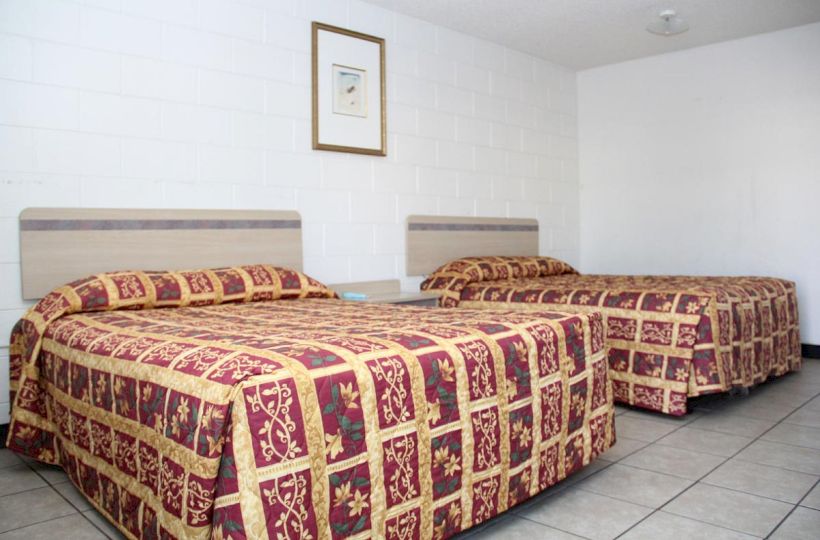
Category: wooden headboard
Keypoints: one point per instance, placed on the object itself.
(435, 240)
(59, 245)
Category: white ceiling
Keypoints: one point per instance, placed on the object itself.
(586, 33)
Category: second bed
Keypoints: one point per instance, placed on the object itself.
(669, 338)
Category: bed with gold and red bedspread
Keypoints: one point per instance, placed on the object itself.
(247, 403)
(668, 337)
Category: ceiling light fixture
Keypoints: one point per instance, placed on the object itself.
(668, 24)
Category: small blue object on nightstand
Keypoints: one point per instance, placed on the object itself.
(354, 296)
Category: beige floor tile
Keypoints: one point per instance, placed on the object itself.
(633, 485)
(29, 507)
(587, 514)
(811, 369)
(563, 485)
(813, 404)
(77, 500)
(709, 442)
(622, 448)
(733, 424)
(18, 478)
(661, 525)
(8, 458)
(589, 470)
(103, 524)
(762, 409)
(801, 386)
(674, 461)
(592, 468)
(539, 498)
(730, 509)
(52, 474)
(802, 524)
(800, 380)
(804, 417)
(763, 480)
(794, 434)
(674, 421)
(641, 429)
(811, 364)
(781, 400)
(785, 456)
(790, 393)
(75, 527)
(517, 528)
(812, 500)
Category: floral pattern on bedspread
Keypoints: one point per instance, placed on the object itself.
(668, 337)
(251, 410)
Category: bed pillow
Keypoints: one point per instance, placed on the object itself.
(449, 280)
(147, 290)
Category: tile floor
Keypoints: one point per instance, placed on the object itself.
(736, 467)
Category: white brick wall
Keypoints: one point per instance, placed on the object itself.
(206, 103)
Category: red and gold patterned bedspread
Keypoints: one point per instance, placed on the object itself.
(668, 337)
(237, 415)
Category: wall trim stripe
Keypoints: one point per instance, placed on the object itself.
(155, 224)
(479, 227)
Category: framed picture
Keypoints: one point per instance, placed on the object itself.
(348, 91)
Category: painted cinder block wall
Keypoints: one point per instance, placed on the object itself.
(206, 104)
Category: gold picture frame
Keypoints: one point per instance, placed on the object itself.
(337, 116)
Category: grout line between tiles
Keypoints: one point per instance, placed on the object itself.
(514, 511)
(619, 461)
(772, 466)
(792, 445)
(705, 523)
(799, 424)
(91, 521)
(39, 523)
(16, 493)
(636, 468)
(745, 492)
(782, 521)
(696, 482)
(553, 527)
(733, 434)
(767, 466)
(611, 463)
(72, 505)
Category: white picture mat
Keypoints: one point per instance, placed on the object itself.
(339, 129)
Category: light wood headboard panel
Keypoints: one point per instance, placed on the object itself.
(58, 245)
(435, 240)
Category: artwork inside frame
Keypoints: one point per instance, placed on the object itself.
(348, 91)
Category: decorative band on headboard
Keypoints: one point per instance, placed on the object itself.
(478, 227)
(155, 224)
(59, 245)
(436, 240)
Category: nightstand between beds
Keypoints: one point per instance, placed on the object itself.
(386, 292)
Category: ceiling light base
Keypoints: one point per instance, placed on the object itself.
(668, 24)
